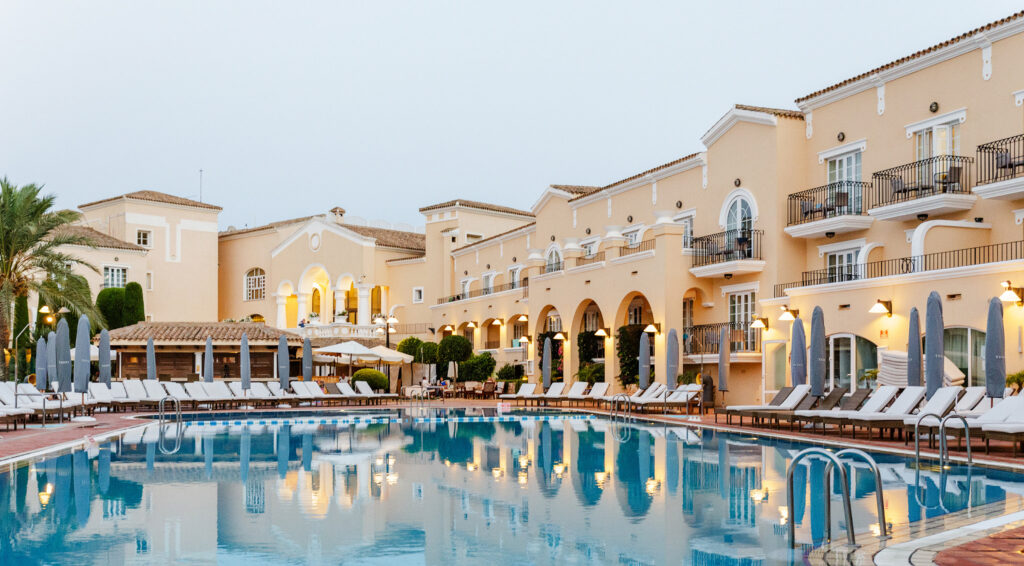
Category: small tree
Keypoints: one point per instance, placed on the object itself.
(510, 372)
(453, 348)
(627, 348)
(134, 305)
(110, 303)
(410, 346)
(375, 379)
(590, 372)
(24, 337)
(477, 368)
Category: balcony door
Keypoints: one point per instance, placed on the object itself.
(844, 174)
(741, 314)
(842, 265)
(849, 357)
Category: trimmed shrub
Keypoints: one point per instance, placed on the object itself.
(477, 368)
(428, 353)
(510, 372)
(590, 373)
(375, 379)
(453, 348)
(588, 345)
(410, 346)
(110, 303)
(627, 348)
(134, 305)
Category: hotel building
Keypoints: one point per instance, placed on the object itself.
(868, 195)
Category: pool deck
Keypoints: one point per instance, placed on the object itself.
(992, 534)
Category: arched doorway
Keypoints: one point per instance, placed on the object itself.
(632, 318)
(590, 336)
(549, 325)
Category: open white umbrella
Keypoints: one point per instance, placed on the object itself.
(351, 352)
(389, 356)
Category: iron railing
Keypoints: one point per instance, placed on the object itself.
(1001, 160)
(834, 199)
(932, 176)
(644, 246)
(703, 338)
(727, 246)
(481, 292)
(978, 255)
(589, 259)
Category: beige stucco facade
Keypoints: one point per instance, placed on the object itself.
(886, 186)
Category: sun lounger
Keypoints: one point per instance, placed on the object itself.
(791, 401)
(901, 408)
(970, 399)
(524, 390)
(154, 389)
(176, 390)
(575, 392)
(364, 388)
(776, 417)
(552, 394)
(138, 395)
(38, 404)
(597, 391)
(276, 391)
(220, 391)
(849, 403)
(779, 397)
(875, 403)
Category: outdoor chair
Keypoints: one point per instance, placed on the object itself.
(949, 179)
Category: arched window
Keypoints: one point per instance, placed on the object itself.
(740, 217)
(255, 284)
(314, 303)
(554, 262)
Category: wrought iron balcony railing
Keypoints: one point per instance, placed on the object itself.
(932, 176)
(1001, 160)
(726, 246)
(704, 338)
(834, 199)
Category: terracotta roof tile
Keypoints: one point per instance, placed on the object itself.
(197, 332)
(952, 41)
(577, 189)
(99, 239)
(780, 112)
(489, 238)
(478, 205)
(155, 196)
(391, 238)
(639, 175)
(268, 226)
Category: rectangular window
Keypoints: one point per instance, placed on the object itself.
(687, 313)
(417, 294)
(943, 139)
(554, 323)
(149, 280)
(589, 249)
(590, 321)
(632, 238)
(142, 238)
(487, 282)
(842, 265)
(518, 331)
(465, 289)
(636, 314)
(513, 277)
(687, 224)
(255, 285)
(741, 314)
(844, 172)
(114, 276)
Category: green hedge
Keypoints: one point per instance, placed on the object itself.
(627, 348)
(511, 372)
(477, 368)
(110, 303)
(590, 372)
(588, 345)
(375, 379)
(134, 305)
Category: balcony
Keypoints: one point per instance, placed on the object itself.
(835, 208)
(1001, 169)
(484, 291)
(702, 339)
(938, 185)
(730, 252)
(965, 257)
(338, 330)
(591, 259)
(637, 248)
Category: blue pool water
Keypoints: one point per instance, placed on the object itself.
(416, 487)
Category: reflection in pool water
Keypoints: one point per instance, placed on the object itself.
(542, 492)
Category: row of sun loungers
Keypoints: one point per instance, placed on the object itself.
(655, 396)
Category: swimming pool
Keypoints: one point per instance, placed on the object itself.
(415, 486)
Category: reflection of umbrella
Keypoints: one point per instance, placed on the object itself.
(644, 359)
(243, 359)
(723, 467)
(150, 360)
(724, 352)
(104, 357)
(546, 370)
(62, 488)
(51, 362)
(914, 349)
(817, 358)
(103, 467)
(83, 486)
(282, 362)
(284, 438)
(672, 351)
(799, 494)
(307, 452)
(671, 466)
(933, 344)
(798, 354)
(819, 491)
(208, 455)
(244, 450)
(82, 356)
(995, 350)
(41, 362)
(208, 361)
(63, 356)
(307, 360)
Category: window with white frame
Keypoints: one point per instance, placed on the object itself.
(553, 262)
(114, 276)
(844, 175)
(144, 238)
(741, 314)
(553, 323)
(465, 288)
(740, 217)
(487, 282)
(518, 331)
(590, 320)
(255, 284)
(589, 249)
(842, 265)
(635, 312)
(513, 277)
(941, 139)
(632, 237)
(417, 294)
(687, 223)
(687, 313)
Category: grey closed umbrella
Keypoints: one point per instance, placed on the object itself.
(208, 361)
(934, 350)
(644, 357)
(307, 360)
(82, 355)
(816, 368)
(150, 360)
(546, 363)
(41, 358)
(244, 361)
(798, 354)
(995, 350)
(282, 362)
(914, 349)
(724, 352)
(63, 356)
(672, 351)
(105, 357)
(51, 361)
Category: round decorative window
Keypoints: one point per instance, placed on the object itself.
(314, 242)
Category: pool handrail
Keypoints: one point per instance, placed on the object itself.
(879, 496)
(943, 447)
(844, 483)
(917, 436)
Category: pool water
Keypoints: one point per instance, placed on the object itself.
(415, 487)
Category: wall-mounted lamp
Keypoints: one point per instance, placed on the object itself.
(44, 309)
(653, 328)
(471, 324)
(1011, 294)
(602, 332)
(760, 322)
(524, 339)
(788, 314)
(496, 322)
(881, 307)
(523, 318)
(447, 327)
(559, 336)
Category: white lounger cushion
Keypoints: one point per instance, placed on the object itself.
(1008, 411)
(364, 388)
(598, 390)
(154, 389)
(970, 399)
(792, 400)
(903, 406)
(576, 391)
(524, 390)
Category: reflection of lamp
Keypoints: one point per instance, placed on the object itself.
(559, 469)
(524, 461)
(392, 478)
(783, 514)
(881, 307)
(651, 486)
(523, 478)
(758, 495)
(497, 472)
(600, 478)
(44, 496)
(471, 466)
(788, 315)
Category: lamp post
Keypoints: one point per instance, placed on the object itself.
(387, 329)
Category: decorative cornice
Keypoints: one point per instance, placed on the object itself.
(733, 117)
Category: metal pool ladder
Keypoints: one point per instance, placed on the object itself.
(627, 406)
(943, 448)
(177, 422)
(844, 483)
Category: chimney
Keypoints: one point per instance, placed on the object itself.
(338, 213)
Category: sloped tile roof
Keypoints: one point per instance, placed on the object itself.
(391, 238)
(489, 238)
(156, 196)
(641, 174)
(99, 239)
(780, 112)
(195, 333)
(916, 55)
(577, 189)
(478, 205)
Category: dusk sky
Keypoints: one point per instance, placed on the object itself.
(291, 108)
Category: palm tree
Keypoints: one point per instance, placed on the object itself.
(34, 256)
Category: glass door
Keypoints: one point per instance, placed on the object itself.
(773, 367)
(741, 314)
(841, 366)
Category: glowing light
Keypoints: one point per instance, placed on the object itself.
(470, 324)
(496, 322)
(1009, 296)
(651, 486)
(523, 318)
(524, 461)
(787, 316)
(44, 496)
(497, 472)
(758, 495)
(392, 478)
(758, 323)
(600, 478)
(523, 478)
(600, 332)
(559, 469)
(472, 466)
(558, 336)
(881, 307)
(783, 514)
(651, 329)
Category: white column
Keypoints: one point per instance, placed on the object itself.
(363, 316)
(384, 301)
(339, 299)
(282, 312)
(303, 309)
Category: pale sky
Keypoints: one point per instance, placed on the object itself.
(291, 108)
